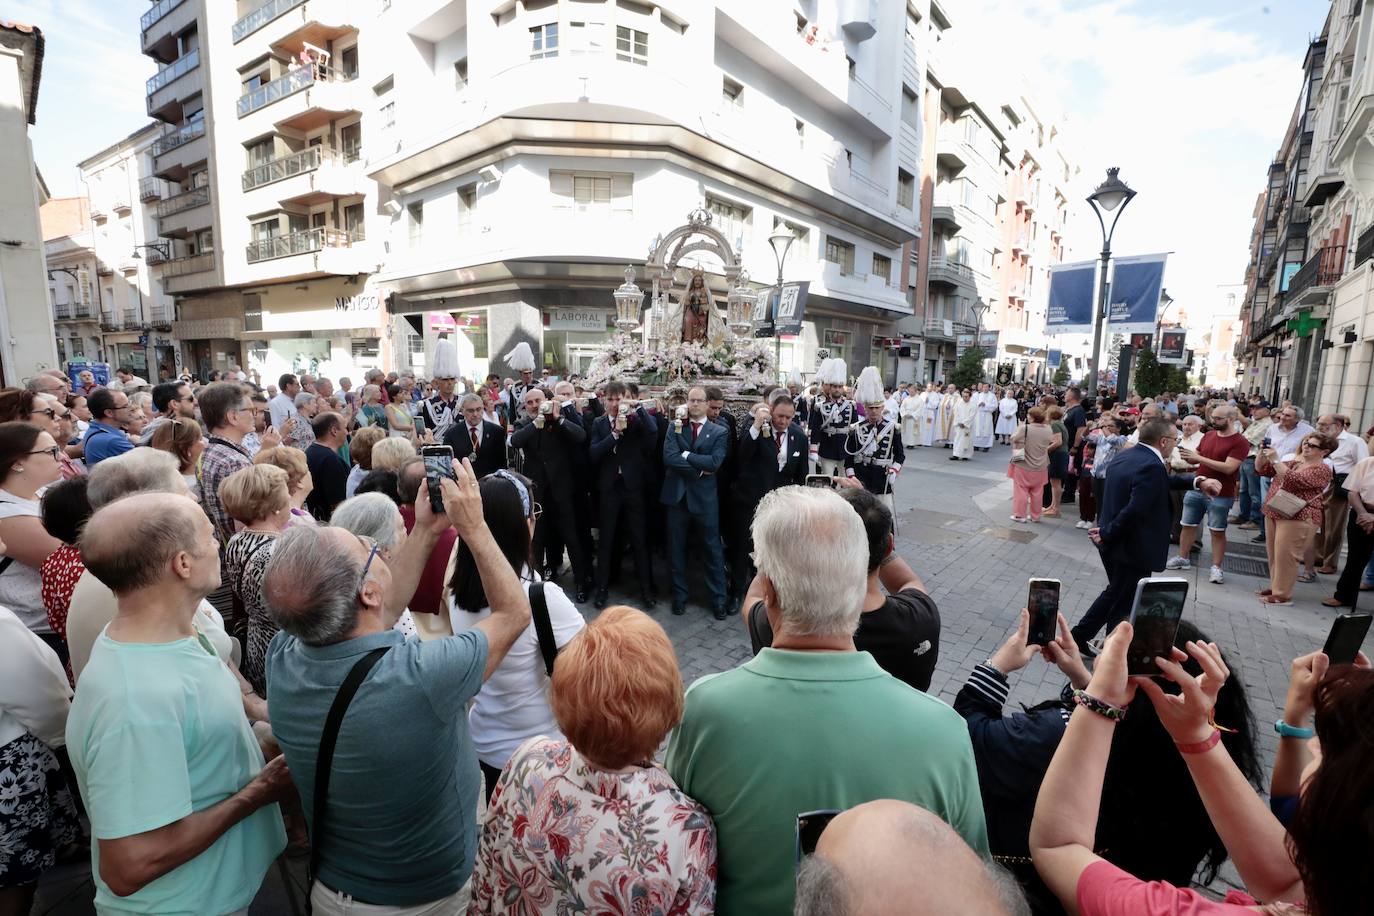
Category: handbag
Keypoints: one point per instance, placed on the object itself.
(1018, 454)
(1285, 504)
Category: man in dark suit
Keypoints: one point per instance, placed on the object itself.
(693, 451)
(1133, 519)
(472, 437)
(772, 452)
(622, 450)
(549, 439)
(328, 473)
(725, 483)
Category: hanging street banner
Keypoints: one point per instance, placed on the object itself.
(791, 305)
(1134, 301)
(1171, 346)
(1071, 299)
(1054, 358)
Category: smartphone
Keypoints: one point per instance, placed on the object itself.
(1347, 635)
(1043, 604)
(810, 826)
(419, 425)
(1155, 615)
(1266, 442)
(438, 461)
(820, 481)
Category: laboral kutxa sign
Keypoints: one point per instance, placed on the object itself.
(563, 318)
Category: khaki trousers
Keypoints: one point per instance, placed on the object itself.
(1333, 529)
(327, 902)
(1286, 541)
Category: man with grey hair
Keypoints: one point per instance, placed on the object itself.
(183, 811)
(862, 867)
(860, 733)
(46, 383)
(401, 825)
(471, 436)
(1350, 451)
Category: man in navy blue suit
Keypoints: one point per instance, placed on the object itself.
(773, 452)
(1133, 521)
(693, 450)
(622, 450)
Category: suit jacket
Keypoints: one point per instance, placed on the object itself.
(329, 475)
(627, 458)
(1135, 514)
(758, 463)
(551, 453)
(683, 474)
(491, 451)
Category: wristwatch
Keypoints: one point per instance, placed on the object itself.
(1291, 731)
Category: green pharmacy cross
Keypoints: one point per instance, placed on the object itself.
(1305, 324)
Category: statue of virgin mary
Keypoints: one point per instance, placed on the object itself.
(692, 316)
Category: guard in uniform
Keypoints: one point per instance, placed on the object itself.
(441, 412)
(873, 448)
(521, 359)
(831, 417)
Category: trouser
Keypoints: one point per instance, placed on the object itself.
(556, 529)
(741, 548)
(1286, 543)
(1087, 502)
(327, 902)
(1025, 500)
(1333, 528)
(1070, 488)
(1258, 516)
(622, 509)
(1249, 507)
(1360, 551)
(830, 467)
(1113, 605)
(1176, 507)
(1099, 484)
(680, 522)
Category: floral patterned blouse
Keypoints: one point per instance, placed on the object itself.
(60, 572)
(563, 837)
(1305, 481)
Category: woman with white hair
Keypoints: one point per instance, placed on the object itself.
(375, 516)
(372, 412)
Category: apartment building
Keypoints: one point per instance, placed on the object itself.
(273, 230)
(72, 272)
(529, 149)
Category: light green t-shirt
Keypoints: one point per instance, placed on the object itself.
(157, 732)
(790, 732)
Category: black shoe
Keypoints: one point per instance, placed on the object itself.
(953, 457)
(1259, 539)
(721, 611)
(679, 608)
(649, 601)
(552, 573)
(600, 601)
(581, 597)
(1085, 650)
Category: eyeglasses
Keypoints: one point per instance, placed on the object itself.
(371, 555)
(46, 410)
(1312, 445)
(53, 452)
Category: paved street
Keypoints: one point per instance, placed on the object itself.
(955, 532)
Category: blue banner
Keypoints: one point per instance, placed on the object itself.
(1072, 294)
(1134, 301)
(1054, 358)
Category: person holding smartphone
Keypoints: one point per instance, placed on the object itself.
(1292, 510)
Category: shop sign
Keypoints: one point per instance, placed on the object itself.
(575, 319)
(440, 321)
(368, 302)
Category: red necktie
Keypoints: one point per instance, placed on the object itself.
(472, 431)
(696, 428)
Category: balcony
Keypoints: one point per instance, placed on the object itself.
(261, 16)
(162, 317)
(150, 189)
(62, 312)
(305, 242)
(109, 321)
(326, 95)
(946, 328)
(133, 318)
(946, 216)
(308, 177)
(174, 219)
(1021, 245)
(160, 28)
(952, 152)
(176, 151)
(171, 85)
(188, 274)
(949, 272)
(1313, 281)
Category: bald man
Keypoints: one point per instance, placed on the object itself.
(862, 865)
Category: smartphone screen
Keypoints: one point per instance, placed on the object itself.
(1043, 604)
(810, 826)
(1347, 635)
(820, 481)
(1158, 609)
(438, 461)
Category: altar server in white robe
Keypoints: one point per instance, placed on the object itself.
(910, 412)
(1006, 416)
(965, 414)
(930, 416)
(983, 423)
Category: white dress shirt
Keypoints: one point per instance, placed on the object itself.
(1350, 450)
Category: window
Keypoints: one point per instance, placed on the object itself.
(348, 62)
(606, 193)
(801, 248)
(366, 348)
(841, 253)
(732, 92)
(415, 214)
(415, 344)
(586, 37)
(353, 221)
(267, 229)
(386, 105)
(260, 152)
(467, 205)
(632, 45)
(731, 219)
(351, 139)
(911, 115)
(544, 41)
(460, 74)
(882, 267)
(906, 190)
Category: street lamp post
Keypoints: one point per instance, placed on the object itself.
(1111, 196)
(979, 309)
(781, 242)
(1165, 300)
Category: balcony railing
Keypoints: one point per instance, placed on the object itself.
(192, 264)
(1364, 246)
(1322, 269)
(261, 16)
(946, 328)
(132, 318)
(950, 264)
(310, 240)
(109, 321)
(161, 315)
(62, 311)
(289, 83)
(158, 10)
(168, 142)
(196, 197)
(149, 188)
(179, 67)
(288, 166)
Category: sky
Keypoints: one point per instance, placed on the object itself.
(1190, 98)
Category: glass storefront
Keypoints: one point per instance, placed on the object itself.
(134, 356)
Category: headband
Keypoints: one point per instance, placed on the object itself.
(519, 488)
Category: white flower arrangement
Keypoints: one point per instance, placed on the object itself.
(750, 360)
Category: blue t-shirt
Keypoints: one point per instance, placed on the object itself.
(402, 825)
(105, 441)
(157, 732)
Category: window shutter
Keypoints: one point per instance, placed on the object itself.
(561, 187)
(622, 200)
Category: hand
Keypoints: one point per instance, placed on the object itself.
(463, 500)
(1188, 455)
(1095, 535)
(426, 519)
(1109, 681)
(272, 784)
(1304, 674)
(1014, 654)
(847, 483)
(1365, 521)
(760, 417)
(1210, 486)
(1185, 715)
(1062, 651)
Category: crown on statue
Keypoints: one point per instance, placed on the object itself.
(699, 217)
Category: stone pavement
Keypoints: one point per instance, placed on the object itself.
(954, 530)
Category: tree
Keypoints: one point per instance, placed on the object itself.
(1177, 379)
(1061, 375)
(969, 370)
(1150, 377)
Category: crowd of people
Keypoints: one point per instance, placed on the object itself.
(242, 624)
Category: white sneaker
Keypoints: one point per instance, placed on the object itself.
(1216, 577)
(1178, 563)
(1085, 525)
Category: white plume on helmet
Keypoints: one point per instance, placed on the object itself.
(794, 377)
(869, 388)
(521, 359)
(831, 372)
(445, 359)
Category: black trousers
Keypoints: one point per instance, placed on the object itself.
(1113, 605)
(556, 529)
(622, 514)
(740, 546)
(1359, 546)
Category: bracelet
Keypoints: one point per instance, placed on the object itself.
(1101, 707)
(1285, 730)
(1200, 746)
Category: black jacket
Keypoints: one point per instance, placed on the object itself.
(329, 475)
(757, 462)
(630, 457)
(491, 452)
(1135, 514)
(551, 453)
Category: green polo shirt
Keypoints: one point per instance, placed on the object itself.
(790, 732)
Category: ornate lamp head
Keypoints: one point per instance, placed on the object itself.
(629, 300)
(740, 302)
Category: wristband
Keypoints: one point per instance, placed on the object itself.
(1285, 730)
(1201, 746)
(1101, 707)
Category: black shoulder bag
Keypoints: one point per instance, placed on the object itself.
(543, 626)
(324, 759)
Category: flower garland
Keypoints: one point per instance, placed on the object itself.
(751, 360)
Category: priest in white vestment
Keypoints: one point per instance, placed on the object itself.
(910, 413)
(983, 423)
(930, 416)
(964, 415)
(1006, 416)
(947, 404)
